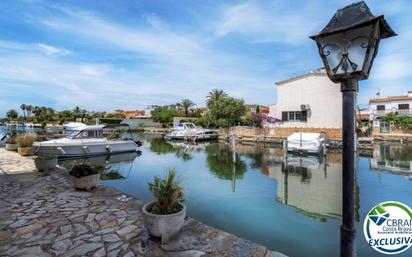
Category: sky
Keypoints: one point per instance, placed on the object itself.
(127, 54)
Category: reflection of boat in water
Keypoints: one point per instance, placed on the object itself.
(189, 147)
(310, 185)
(313, 143)
(87, 141)
(308, 162)
(189, 131)
(118, 164)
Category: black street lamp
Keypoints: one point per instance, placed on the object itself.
(348, 46)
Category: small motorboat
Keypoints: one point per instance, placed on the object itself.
(89, 141)
(300, 142)
(4, 138)
(189, 131)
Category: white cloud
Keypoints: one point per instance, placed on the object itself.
(51, 50)
(262, 23)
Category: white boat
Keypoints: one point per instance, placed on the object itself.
(312, 143)
(87, 141)
(72, 126)
(189, 131)
(4, 138)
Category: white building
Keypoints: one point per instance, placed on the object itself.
(310, 101)
(379, 107)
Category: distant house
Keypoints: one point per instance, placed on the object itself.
(309, 102)
(379, 107)
(254, 108)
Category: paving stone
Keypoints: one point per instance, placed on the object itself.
(126, 230)
(65, 229)
(32, 251)
(111, 238)
(83, 249)
(129, 254)
(64, 236)
(90, 217)
(113, 253)
(114, 246)
(100, 253)
(29, 228)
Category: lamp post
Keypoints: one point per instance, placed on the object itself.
(348, 45)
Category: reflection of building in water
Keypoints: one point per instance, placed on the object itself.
(394, 158)
(311, 186)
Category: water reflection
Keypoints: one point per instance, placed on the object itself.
(392, 158)
(221, 164)
(117, 166)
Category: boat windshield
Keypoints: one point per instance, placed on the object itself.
(85, 134)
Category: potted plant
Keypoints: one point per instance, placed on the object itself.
(25, 144)
(11, 145)
(45, 161)
(165, 216)
(85, 176)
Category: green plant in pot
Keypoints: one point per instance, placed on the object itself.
(25, 144)
(11, 145)
(164, 217)
(85, 176)
(45, 161)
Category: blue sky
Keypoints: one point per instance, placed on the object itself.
(104, 55)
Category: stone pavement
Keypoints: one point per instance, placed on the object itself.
(44, 216)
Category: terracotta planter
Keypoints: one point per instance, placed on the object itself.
(25, 151)
(11, 147)
(45, 165)
(87, 182)
(163, 226)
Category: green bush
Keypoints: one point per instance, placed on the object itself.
(26, 140)
(168, 194)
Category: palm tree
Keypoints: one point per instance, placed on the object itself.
(76, 112)
(29, 108)
(186, 104)
(83, 114)
(23, 108)
(214, 96)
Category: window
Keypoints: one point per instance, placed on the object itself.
(294, 116)
(380, 107)
(403, 106)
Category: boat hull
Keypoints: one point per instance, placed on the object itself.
(86, 150)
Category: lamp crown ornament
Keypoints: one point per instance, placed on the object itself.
(349, 42)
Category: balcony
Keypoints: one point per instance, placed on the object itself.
(405, 112)
(379, 113)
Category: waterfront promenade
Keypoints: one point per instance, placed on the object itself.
(45, 216)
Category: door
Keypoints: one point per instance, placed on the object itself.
(384, 127)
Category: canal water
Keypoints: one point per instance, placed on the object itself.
(289, 204)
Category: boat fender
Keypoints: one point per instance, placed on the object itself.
(108, 149)
(61, 150)
(138, 143)
(85, 149)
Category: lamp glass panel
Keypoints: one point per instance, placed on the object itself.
(345, 52)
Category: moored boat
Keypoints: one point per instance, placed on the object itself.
(189, 131)
(88, 141)
(300, 142)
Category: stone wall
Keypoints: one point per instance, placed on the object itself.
(392, 130)
(332, 133)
